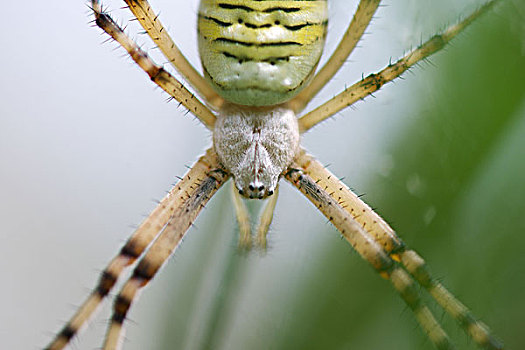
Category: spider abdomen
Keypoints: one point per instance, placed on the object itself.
(260, 53)
(256, 145)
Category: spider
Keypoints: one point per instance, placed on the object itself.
(367, 232)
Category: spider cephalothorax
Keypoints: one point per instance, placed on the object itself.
(256, 146)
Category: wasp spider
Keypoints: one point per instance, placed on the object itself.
(260, 63)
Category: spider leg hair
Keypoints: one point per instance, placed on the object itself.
(151, 23)
(266, 220)
(158, 75)
(133, 249)
(243, 219)
(362, 17)
(205, 178)
(375, 81)
(329, 193)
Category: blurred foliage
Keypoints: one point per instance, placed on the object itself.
(455, 193)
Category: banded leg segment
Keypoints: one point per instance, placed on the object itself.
(375, 81)
(200, 190)
(374, 224)
(158, 75)
(152, 25)
(362, 17)
(132, 250)
(392, 245)
(372, 252)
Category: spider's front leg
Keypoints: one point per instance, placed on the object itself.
(137, 244)
(201, 189)
(377, 243)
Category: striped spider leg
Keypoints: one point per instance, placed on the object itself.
(377, 243)
(326, 192)
(370, 236)
(202, 187)
(172, 217)
(151, 24)
(165, 227)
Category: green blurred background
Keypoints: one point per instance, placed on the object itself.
(86, 142)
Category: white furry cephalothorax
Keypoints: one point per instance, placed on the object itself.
(256, 146)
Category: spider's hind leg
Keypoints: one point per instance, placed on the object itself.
(378, 231)
(372, 252)
(202, 186)
(132, 250)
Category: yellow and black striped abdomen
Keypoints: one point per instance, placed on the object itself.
(260, 52)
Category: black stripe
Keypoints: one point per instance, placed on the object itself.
(244, 58)
(267, 25)
(107, 281)
(284, 9)
(244, 43)
(141, 271)
(217, 21)
(118, 318)
(254, 26)
(268, 10)
(235, 7)
(67, 332)
(121, 308)
(465, 319)
(130, 250)
(302, 25)
(297, 27)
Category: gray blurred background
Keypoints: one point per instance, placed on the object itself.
(87, 144)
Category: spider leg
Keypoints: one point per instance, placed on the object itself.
(375, 81)
(152, 25)
(362, 17)
(200, 190)
(243, 219)
(157, 74)
(383, 235)
(266, 220)
(132, 250)
(372, 252)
